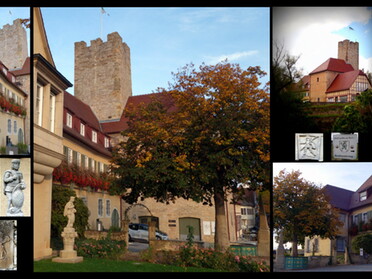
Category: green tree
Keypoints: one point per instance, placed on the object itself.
(302, 209)
(211, 136)
(363, 241)
(357, 117)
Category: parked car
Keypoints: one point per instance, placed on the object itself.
(141, 232)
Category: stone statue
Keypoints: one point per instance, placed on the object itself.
(68, 254)
(69, 211)
(13, 189)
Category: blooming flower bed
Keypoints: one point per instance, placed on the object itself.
(67, 174)
(11, 107)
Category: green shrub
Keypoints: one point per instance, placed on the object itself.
(364, 241)
(103, 248)
(209, 258)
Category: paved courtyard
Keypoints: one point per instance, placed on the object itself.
(341, 268)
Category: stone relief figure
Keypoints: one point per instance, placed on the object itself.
(3, 239)
(309, 147)
(69, 211)
(13, 189)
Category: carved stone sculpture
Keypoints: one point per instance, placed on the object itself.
(13, 189)
(68, 254)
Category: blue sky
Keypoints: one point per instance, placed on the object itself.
(162, 40)
(347, 175)
(8, 14)
(313, 33)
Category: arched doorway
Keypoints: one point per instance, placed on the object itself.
(185, 223)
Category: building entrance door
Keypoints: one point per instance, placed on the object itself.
(185, 224)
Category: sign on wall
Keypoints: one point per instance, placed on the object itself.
(344, 146)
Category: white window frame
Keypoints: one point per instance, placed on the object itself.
(68, 120)
(94, 136)
(82, 129)
(52, 116)
(363, 196)
(107, 142)
(69, 155)
(39, 104)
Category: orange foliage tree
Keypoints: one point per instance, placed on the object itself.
(206, 136)
(302, 209)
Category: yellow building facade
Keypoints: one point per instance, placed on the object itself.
(355, 213)
(48, 88)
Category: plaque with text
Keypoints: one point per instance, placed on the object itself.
(344, 146)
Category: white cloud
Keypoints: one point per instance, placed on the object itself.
(230, 57)
(365, 63)
(310, 32)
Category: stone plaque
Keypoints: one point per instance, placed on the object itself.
(344, 146)
(8, 245)
(309, 147)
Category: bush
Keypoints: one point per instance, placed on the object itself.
(364, 241)
(190, 256)
(103, 248)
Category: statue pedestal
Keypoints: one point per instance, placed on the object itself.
(68, 254)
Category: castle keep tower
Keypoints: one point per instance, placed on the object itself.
(349, 51)
(103, 76)
(13, 41)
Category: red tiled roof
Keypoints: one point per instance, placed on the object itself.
(25, 68)
(9, 76)
(334, 65)
(81, 111)
(136, 101)
(344, 81)
(84, 113)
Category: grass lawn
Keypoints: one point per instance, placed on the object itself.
(104, 265)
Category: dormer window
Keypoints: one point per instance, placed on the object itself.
(94, 136)
(69, 120)
(107, 142)
(82, 129)
(363, 196)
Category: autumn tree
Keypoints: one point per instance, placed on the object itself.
(200, 139)
(302, 209)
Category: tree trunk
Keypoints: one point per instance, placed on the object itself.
(294, 246)
(221, 238)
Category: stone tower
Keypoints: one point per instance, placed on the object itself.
(13, 45)
(349, 51)
(103, 76)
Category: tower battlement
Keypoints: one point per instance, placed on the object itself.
(349, 51)
(103, 75)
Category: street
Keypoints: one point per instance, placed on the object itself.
(137, 246)
(341, 268)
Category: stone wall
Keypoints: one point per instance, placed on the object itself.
(103, 76)
(97, 235)
(349, 51)
(13, 50)
(171, 245)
